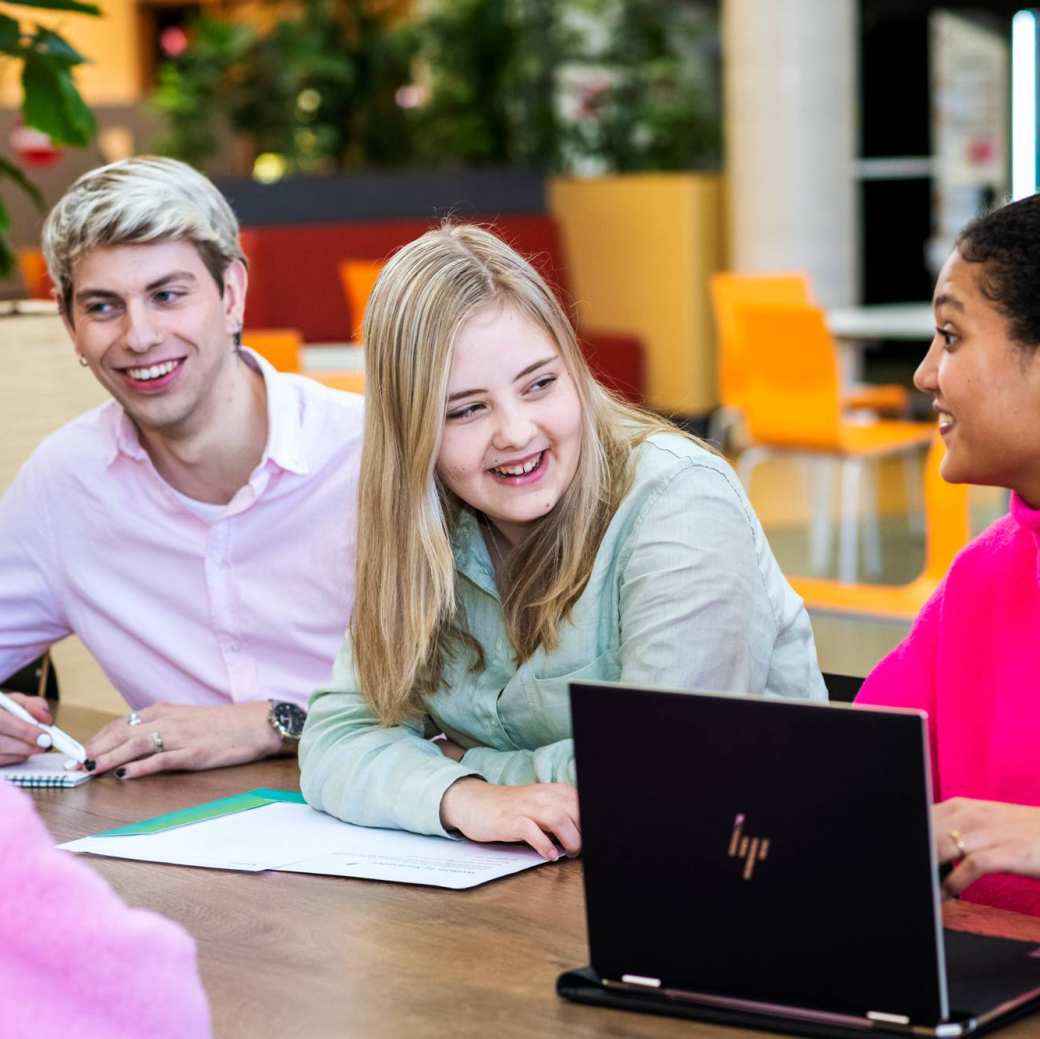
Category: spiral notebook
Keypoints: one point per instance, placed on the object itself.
(44, 770)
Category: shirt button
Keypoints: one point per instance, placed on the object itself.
(233, 647)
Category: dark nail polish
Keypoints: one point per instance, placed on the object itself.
(120, 773)
(90, 764)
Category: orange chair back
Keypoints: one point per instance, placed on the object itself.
(729, 292)
(358, 277)
(280, 346)
(33, 268)
(947, 515)
(793, 395)
(347, 381)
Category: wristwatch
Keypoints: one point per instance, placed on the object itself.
(287, 720)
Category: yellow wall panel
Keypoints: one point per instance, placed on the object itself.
(640, 248)
(113, 75)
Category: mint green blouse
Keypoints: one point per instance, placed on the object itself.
(685, 594)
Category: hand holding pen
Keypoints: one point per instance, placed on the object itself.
(26, 728)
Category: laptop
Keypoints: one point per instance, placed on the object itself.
(769, 863)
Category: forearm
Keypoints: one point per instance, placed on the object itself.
(371, 775)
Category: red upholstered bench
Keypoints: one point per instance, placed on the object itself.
(294, 282)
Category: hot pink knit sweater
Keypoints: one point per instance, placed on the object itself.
(75, 962)
(972, 661)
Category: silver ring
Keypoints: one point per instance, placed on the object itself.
(157, 742)
(133, 718)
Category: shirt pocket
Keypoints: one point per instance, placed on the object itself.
(549, 699)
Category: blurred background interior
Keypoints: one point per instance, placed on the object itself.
(743, 202)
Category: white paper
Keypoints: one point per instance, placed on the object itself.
(296, 839)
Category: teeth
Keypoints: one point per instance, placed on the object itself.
(519, 470)
(156, 371)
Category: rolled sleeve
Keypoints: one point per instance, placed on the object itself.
(553, 763)
(366, 773)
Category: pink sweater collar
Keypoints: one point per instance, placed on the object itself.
(1025, 516)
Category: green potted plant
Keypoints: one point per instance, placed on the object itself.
(50, 104)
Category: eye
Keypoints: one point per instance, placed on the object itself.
(168, 295)
(949, 338)
(543, 382)
(464, 413)
(99, 308)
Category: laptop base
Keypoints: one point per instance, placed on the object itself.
(584, 985)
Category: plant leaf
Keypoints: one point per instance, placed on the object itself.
(6, 258)
(52, 103)
(13, 172)
(10, 35)
(5, 219)
(59, 5)
(56, 48)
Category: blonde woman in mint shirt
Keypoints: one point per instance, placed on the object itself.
(520, 527)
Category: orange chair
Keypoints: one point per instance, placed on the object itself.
(347, 381)
(792, 404)
(947, 529)
(33, 269)
(729, 292)
(281, 346)
(358, 277)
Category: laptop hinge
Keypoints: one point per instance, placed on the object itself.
(888, 1019)
(638, 979)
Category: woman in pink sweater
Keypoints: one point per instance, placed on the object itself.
(972, 659)
(74, 960)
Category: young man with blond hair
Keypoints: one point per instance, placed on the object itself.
(197, 531)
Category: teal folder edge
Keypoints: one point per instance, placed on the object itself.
(210, 810)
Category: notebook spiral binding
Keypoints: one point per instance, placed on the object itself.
(40, 781)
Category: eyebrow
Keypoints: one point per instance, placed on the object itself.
(946, 300)
(527, 371)
(89, 293)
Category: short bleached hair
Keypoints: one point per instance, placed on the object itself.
(135, 202)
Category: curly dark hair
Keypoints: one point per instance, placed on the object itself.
(1007, 242)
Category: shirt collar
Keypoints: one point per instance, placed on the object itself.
(285, 444)
(1025, 516)
(471, 554)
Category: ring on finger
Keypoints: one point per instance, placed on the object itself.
(157, 743)
(958, 840)
(133, 718)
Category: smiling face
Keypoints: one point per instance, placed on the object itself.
(513, 423)
(156, 331)
(986, 388)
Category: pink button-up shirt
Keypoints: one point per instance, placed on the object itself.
(176, 607)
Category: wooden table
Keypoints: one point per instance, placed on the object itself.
(294, 955)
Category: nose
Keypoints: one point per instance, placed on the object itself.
(513, 428)
(141, 331)
(926, 378)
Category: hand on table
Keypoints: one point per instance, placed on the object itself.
(994, 837)
(535, 813)
(18, 739)
(191, 738)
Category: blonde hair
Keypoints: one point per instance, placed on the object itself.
(136, 201)
(406, 619)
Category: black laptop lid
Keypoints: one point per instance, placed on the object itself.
(768, 850)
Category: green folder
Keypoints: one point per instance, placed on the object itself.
(210, 810)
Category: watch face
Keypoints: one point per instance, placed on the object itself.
(289, 719)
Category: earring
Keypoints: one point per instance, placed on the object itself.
(83, 361)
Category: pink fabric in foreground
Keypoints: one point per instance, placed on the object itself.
(75, 962)
(972, 661)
